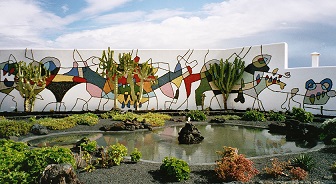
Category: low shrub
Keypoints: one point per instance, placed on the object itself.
(176, 168)
(155, 119)
(83, 119)
(12, 155)
(56, 123)
(36, 160)
(88, 145)
(277, 169)
(136, 155)
(276, 116)
(116, 153)
(298, 173)
(110, 114)
(227, 117)
(302, 115)
(196, 115)
(304, 161)
(233, 166)
(13, 128)
(253, 115)
(328, 131)
(19, 164)
(124, 116)
(333, 167)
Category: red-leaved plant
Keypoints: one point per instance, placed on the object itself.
(298, 173)
(233, 166)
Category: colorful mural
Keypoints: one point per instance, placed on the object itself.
(183, 81)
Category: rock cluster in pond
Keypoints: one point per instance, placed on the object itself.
(38, 129)
(129, 125)
(59, 174)
(189, 134)
(296, 130)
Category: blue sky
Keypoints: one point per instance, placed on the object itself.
(306, 25)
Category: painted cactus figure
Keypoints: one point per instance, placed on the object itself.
(30, 80)
(226, 74)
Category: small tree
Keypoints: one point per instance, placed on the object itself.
(30, 80)
(225, 75)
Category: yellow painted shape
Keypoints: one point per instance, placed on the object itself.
(63, 78)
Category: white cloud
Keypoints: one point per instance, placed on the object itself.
(99, 6)
(24, 20)
(65, 8)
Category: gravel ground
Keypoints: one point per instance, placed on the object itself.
(149, 172)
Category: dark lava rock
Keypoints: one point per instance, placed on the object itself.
(38, 129)
(217, 120)
(59, 174)
(128, 125)
(277, 127)
(189, 134)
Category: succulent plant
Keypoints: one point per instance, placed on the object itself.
(30, 80)
(225, 75)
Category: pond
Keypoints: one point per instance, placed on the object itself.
(160, 143)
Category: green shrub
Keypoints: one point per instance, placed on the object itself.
(196, 115)
(88, 145)
(304, 161)
(328, 130)
(276, 116)
(155, 119)
(116, 153)
(302, 115)
(176, 168)
(83, 119)
(19, 164)
(12, 155)
(13, 128)
(253, 115)
(136, 155)
(56, 123)
(233, 166)
(333, 167)
(36, 160)
(110, 114)
(227, 117)
(124, 116)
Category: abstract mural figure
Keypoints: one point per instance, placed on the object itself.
(180, 75)
(7, 84)
(9, 69)
(256, 78)
(254, 81)
(318, 94)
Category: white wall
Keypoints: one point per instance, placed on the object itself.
(88, 95)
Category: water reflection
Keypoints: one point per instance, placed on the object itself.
(163, 142)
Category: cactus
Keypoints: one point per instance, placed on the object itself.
(109, 69)
(30, 80)
(225, 75)
(145, 72)
(131, 67)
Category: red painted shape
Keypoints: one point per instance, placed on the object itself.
(122, 80)
(190, 79)
(78, 79)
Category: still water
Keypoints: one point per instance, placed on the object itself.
(163, 142)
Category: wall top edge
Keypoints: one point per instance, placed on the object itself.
(166, 49)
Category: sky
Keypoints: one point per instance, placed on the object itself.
(306, 25)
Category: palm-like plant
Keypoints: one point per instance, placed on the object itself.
(226, 74)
